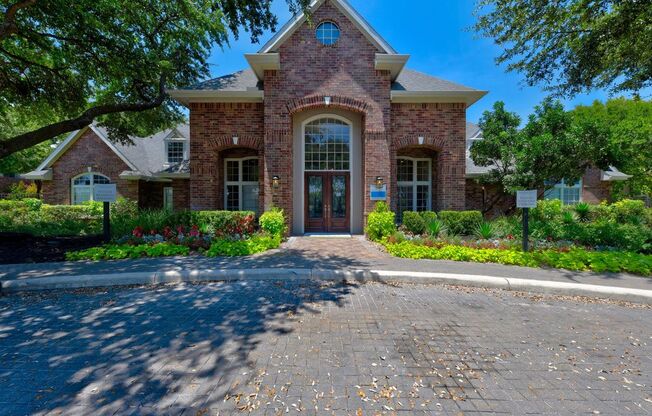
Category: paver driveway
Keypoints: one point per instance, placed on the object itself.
(313, 348)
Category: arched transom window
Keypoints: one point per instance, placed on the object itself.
(82, 186)
(327, 145)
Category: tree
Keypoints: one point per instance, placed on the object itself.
(572, 46)
(629, 125)
(550, 147)
(111, 60)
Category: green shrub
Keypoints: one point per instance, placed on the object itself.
(461, 222)
(381, 223)
(583, 211)
(629, 211)
(547, 210)
(568, 217)
(253, 245)
(435, 228)
(428, 216)
(273, 222)
(414, 223)
(226, 223)
(118, 252)
(576, 259)
(507, 226)
(485, 231)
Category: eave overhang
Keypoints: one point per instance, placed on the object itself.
(139, 176)
(467, 97)
(187, 97)
(261, 62)
(38, 175)
(392, 63)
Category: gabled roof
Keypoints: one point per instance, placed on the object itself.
(293, 24)
(145, 157)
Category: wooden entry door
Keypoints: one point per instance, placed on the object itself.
(327, 202)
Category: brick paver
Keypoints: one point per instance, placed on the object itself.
(310, 348)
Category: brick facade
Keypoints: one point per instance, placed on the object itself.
(213, 127)
(443, 129)
(594, 189)
(89, 151)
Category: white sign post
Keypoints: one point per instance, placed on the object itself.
(526, 200)
(105, 193)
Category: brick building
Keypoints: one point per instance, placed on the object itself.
(326, 118)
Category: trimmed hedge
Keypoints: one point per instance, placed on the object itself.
(414, 222)
(461, 222)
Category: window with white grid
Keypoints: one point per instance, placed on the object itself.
(327, 145)
(328, 33)
(82, 186)
(414, 185)
(241, 186)
(175, 151)
(568, 194)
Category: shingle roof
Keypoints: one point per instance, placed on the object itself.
(147, 154)
(244, 80)
(410, 80)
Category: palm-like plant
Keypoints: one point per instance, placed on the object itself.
(583, 211)
(435, 228)
(568, 217)
(485, 231)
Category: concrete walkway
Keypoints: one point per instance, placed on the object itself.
(352, 257)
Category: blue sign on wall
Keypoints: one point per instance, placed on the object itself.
(378, 194)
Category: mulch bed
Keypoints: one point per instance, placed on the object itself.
(25, 248)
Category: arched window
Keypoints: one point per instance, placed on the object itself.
(82, 186)
(328, 33)
(327, 145)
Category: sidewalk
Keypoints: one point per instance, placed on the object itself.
(309, 257)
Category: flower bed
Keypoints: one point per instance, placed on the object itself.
(220, 234)
(604, 238)
(571, 259)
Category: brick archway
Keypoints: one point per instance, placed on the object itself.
(319, 101)
(220, 143)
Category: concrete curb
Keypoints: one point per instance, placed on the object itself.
(362, 276)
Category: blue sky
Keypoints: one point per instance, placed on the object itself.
(437, 36)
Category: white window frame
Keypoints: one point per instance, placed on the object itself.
(330, 40)
(167, 149)
(414, 183)
(303, 141)
(90, 187)
(240, 183)
(168, 198)
(563, 188)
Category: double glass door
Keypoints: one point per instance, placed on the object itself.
(327, 202)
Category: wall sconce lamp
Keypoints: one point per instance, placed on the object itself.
(327, 101)
(276, 181)
(235, 140)
(421, 140)
(379, 182)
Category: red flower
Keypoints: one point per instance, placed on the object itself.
(137, 232)
(180, 229)
(167, 232)
(194, 231)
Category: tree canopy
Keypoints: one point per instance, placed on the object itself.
(572, 46)
(110, 60)
(550, 147)
(629, 126)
